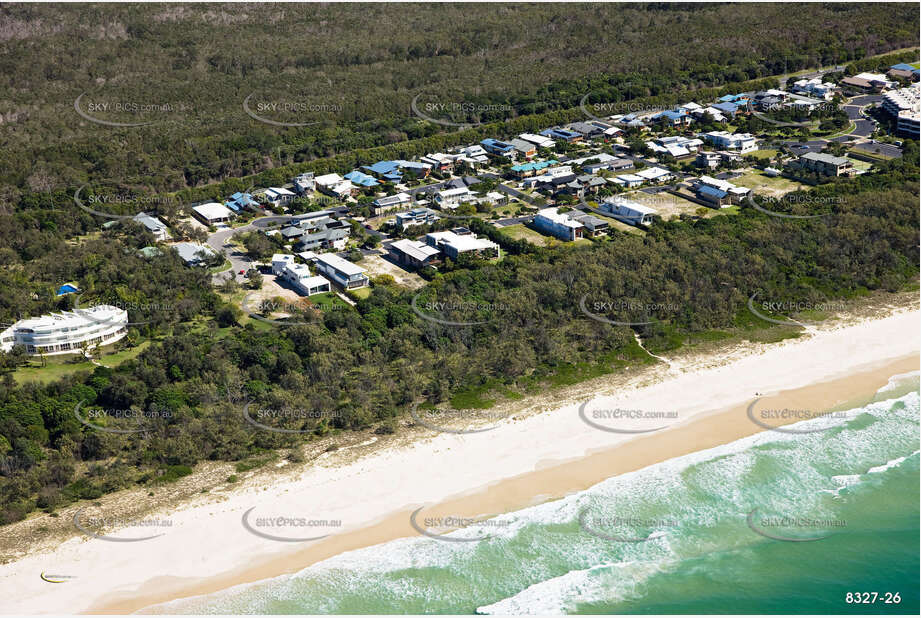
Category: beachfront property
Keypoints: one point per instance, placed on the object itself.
(904, 105)
(413, 253)
(298, 277)
(825, 164)
(719, 193)
(193, 253)
(304, 183)
(212, 213)
(459, 241)
(154, 225)
(628, 211)
(350, 276)
(736, 142)
(67, 332)
(391, 202)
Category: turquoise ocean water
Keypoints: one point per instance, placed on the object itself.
(675, 537)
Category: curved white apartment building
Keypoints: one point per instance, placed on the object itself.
(67, 332)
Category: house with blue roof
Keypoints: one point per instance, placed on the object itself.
(238, 202)
(673, 117)
(523, 170)
(392, 171)
(361, 179)
(563, 134)
(730, 109)
(904, 70)
(496, 147)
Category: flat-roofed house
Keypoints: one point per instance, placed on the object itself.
(452, 198)
(341, 271)
(826, 164)
(67, 332)
(559, 224)
(458, 241)
(416, 216)
(298, 275)
(628, 211)
(279, 196)
(280, 261)
(391, 202)
(212, 213)
(413, 253)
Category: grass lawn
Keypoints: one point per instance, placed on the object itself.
(520, 231)
(767, 153)
(219, 269)
(60, 366)
(860, 165)
(359, 293)
(762, 183)
(667, 205)
(620, 226)
(328, 301)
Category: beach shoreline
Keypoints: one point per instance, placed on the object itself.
(525, 461)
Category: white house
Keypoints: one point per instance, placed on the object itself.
(736, 142)
(538, 140)
(655, 174)
(343, 272)
(153, 225)
(304, 183)
(212, 213)
(298, 275)
(327, 180)
(67, 332)
(628, 211)
(452, 198)
(558, 224)
(280, 261)
(279, 196)
(458, 241)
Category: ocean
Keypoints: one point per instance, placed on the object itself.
(773, 523)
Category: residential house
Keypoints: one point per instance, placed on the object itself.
(738, 142)
(541, 141)
(601, 161)
(523, 149)
(498, 148)
(341, 271)
(449, 199)
(561, 225)
(278, 196)
(524, 170)
(360, 179)
(304, 183)
(475, 154)
(154, 225)
(562, 134)
(416, 216)
(721, 193)
(299, 277)
(460, 241)
(280, 261)
(194, 254)
(239, 202)
(439, 161)
(391, 202)
(212, 213)
(587, 130)
(628, 211)
(673, 118)
(825, 164)
(413, 253)
(655, 175)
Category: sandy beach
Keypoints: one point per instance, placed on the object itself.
(522, 460)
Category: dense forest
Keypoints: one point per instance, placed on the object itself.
(351, 72)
